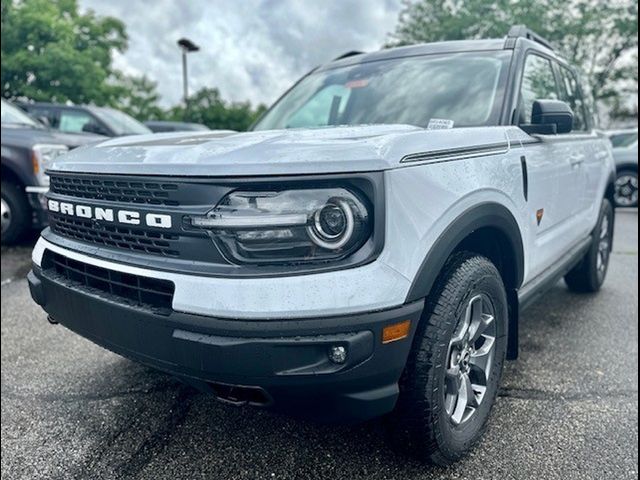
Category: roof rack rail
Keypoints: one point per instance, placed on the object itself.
(522, 31)
(347, 54)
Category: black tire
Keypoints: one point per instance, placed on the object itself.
(19, 216)
(588, 276)
(626, 188)
(421, 424)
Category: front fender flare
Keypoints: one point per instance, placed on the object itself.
(487, 214)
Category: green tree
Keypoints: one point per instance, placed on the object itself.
(137, 96)
(599, 36)
(207, 107)
(52, 52)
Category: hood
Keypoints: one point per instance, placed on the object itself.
(25, 136)
(274, 152)
(73, 140)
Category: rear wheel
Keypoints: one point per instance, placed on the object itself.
(16, 214)
(452, 375)
(589, 274)
(626, 188)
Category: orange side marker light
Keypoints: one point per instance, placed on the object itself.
(397, 331)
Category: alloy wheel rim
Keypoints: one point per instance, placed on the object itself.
(604, 247)
(5, 215)
(470, 359)
(626, 190)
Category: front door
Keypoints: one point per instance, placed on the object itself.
(555, 173)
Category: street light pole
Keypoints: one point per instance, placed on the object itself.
(185, 83)
(187, 46)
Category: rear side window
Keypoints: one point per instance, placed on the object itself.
(74, 121)
(538, 83)
(571, 94)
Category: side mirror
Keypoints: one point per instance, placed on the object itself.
(549, 117)
(92, 127)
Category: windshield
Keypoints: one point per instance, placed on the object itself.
(463, 89)
(119, 122)
(11, 114)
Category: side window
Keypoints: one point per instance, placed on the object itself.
(320, 109)
(622, 140)
(538, 83)
(74, 121)
(571, 94)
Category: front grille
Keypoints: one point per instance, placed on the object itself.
(179, 245)
(114, 190)
(132, 290)
(121, 237)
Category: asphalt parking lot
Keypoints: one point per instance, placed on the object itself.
(568, 407)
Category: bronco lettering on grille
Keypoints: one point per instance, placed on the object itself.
(128, 217)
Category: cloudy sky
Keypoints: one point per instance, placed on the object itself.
(250, 49)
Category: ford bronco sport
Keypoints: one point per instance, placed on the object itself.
(365, 250)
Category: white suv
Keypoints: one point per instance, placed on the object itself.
(365, 250)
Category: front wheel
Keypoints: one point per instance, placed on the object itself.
(16, 214)
(451, 379)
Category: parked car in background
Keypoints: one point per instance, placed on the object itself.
(28, 148)
(85, 119)
(625, 153)
(158, 126)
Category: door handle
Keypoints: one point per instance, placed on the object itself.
(576, 161)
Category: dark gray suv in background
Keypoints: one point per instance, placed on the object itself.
(28, 147)
(86, 119)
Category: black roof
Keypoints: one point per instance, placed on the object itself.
(516, 33)
(52, 104)
(420, 49)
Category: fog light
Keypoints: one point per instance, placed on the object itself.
(337, 354)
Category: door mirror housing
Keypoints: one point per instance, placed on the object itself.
(549, 117)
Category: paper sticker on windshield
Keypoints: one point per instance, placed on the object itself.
(440, 124)
(360, 83)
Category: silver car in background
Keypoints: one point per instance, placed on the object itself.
(625, 153)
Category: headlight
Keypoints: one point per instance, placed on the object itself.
(42, 157)
(289, 226)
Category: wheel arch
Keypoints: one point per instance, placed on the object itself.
(487, 229)
(627, 166)
(610, 188)
(16, 168)
(8, 174)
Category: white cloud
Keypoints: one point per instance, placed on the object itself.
(250, 49)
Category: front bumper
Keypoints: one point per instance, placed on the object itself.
(282, 364)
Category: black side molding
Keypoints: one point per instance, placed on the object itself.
(534, 289)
